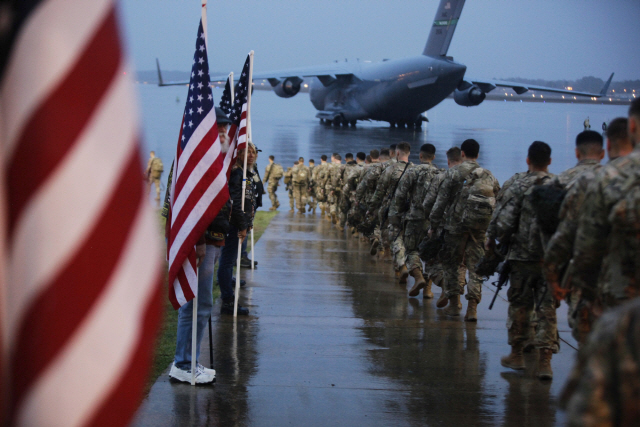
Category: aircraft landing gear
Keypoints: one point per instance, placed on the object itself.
(337, 121)
(402, 124)
(353, 123)
(392, 124)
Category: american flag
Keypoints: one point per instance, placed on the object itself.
(225, 101)
(199, 187)
(80, 299)
(238, 115)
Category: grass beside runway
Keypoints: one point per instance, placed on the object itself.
(166, 342)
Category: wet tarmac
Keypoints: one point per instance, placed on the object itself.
(334, 340)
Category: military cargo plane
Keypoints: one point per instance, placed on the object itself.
(396, 91)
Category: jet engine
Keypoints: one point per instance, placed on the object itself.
(469, 95)
(288, 87)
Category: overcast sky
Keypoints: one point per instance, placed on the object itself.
(548, 39)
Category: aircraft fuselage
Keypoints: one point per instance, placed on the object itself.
(394, 91)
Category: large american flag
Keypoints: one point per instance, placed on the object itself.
(80, 297)
(199, 186)
(238, 115)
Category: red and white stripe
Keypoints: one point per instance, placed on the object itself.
(82, 294)
(198, 192)
(238, 138)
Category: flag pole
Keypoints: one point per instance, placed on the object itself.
(251, 139)
(194, 315)
(244, 179)
(232, 88)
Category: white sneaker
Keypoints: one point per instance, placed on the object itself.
(184, 376)
(206, 370)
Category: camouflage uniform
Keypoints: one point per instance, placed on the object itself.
(288, 175)
(365, 190)
(407, 202)
(606, 253)
(334, 187)
(381, 199)
(514, 223)
(462, 244)
(559, 250)
(319, 177)
(355, 216)
(604, 386)
(300, 179)
(311, 194)
(272, 174)
(350, 175)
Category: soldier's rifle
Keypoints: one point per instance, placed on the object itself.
(503, 277)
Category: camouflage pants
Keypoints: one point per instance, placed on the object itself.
(414, 232)
(435, 273)
(300, 195)
(526, 289)
(271, 189)
(397, 246)
(462, 249)
(291, 198)
(345, 205)
(311, 201)
(334, 203)
(580, 315)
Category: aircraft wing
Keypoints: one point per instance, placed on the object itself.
(520, 88)
(326, 73)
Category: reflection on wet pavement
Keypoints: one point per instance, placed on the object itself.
(333, 340)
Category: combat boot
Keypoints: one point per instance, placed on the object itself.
(544, 364)
(427, 294)
(404, 274)
(515, 360)
(334, 218)
(322, 212)
(443, 300)
(454, 306)
(301, 211)
(313, 211)
(472, 311)
(419, 284)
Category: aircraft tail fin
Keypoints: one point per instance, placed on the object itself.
(444, 25)
(160, 82)
(604, 90)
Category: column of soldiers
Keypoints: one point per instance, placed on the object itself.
(574, 236)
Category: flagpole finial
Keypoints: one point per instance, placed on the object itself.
(204, 3)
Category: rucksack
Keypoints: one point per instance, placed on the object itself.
(276, 171)
(546, 201)
(480, 200)
(302, 174)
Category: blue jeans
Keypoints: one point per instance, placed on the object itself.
(245, 254)
(182, 357)
(228, 259)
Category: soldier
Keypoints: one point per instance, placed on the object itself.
(334, 186)
(603, 388)
(515, 224)
(272, 174)
(589, 153)
(467, 194)
(153, 174)
(300, 178)
(385, 190)
(288, 182)
(606, 250)
(433, 269)
(407, 207)
(319, 178)
(311, 194)
(365, 190)
(352, 171)
(559, 250)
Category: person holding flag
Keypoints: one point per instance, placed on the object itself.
(198, 193)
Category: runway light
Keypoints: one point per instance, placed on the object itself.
(541, 96)
(306, 85)
(562, 96)
(569, 88)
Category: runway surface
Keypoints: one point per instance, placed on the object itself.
(334, 340)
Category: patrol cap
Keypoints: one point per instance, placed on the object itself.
(221, 117)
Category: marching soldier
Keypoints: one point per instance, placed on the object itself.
(288, 182)
(352, 172)
(334, 186)
(311, 194)
(515, 224)
(300, 178)
(381, 200)
(364, 192)
(272, 174)
(467, 195)
(319, 178)
(154, 171)
(407, 207)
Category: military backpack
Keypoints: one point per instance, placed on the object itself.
(478, 198)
